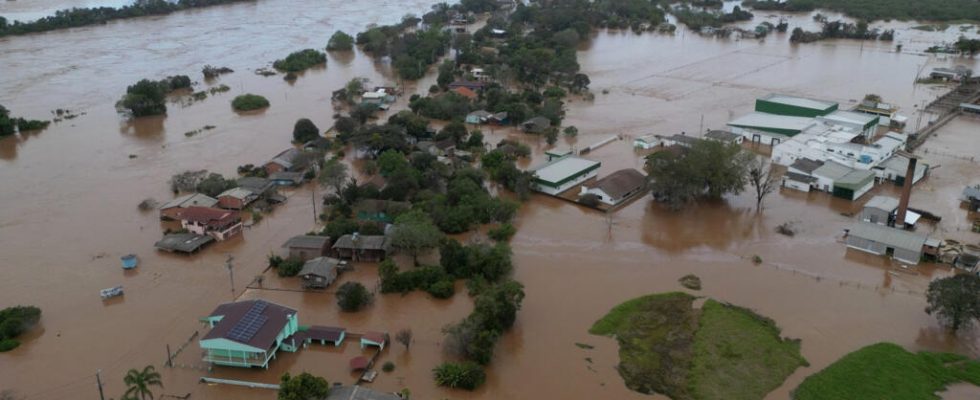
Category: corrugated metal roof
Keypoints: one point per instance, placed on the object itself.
(884, 203)
(193, 199)
(562, 168)
(772, 121)
(799, 101)
(832, 170)
(891, 237)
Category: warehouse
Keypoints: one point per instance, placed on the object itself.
(793, 106)
(904, 246)
(769, 129)
(562, 174)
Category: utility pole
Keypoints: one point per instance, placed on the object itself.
(316, 177)
(98, 379)
(231, 275)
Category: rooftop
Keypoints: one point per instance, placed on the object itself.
(255, 184)
(193, 199)
(363, 242)
(183, 242)
(884, 203)
(891, 237)
(772, 121)
(287, 157)
(854, 177)
(320, 266)
(359, 393)
(799, 101)
(620, 183)
(852, 117)
(562, 168)
(724, 136)
(833, 170)
(254, 323)
(208, 216)
(306, 241)
(806, 165)
(800, 177)
(238, 193)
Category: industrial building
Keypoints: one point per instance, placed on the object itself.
(562, 174)
(902, 245)
(781, 104)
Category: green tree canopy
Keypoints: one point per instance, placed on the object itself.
(305, 130)
(340, 41)
(352, 296)
(249, 102)
(304, 386)
(138, 383)
(708, 169)
(414, 232)
(955, 300)
(144, 98)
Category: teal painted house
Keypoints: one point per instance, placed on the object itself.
(248, 333)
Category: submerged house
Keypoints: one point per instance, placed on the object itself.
(291, 159)
(236, 198)
(215, 222)
(724, 137)
(562, 174)
(843, 181)
(248, 333)
(536, 125)
(319, 272)
(357, 247)
(172, 209)
(617, 186)
(183, 242)
(305, 247)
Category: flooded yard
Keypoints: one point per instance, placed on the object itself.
(68, 206)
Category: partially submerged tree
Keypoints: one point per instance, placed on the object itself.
(708, 169)
(304, 386)
(763, 178)
(334, 175)
(352, 296)
(955, 300)
(144, 98)
(340, 41)
(404, 337)
(138, 383)
(305, 130)
(414, 232)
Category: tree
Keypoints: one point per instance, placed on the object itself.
(955, 300)
(304, 386)
(340, 41)
(249, 102)
(352, 296)
(763, 178)
(144, 98)
(334, 175)
(708, 169)
(466, 375)
(300, 60)
(570, 131)
(404, 337)
(415, 232)
(138, 383)
(214, 184)
(305, 130)
(551, 135)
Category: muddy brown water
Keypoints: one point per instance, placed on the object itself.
(69, 196)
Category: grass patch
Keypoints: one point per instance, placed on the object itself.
(887, 371)
(717, 352)
(739, 354)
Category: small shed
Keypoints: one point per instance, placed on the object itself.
(902, 245)
(305, 247)
(325, 334)
(879, 210)
(319, 272)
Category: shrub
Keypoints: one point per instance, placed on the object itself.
(442, 289)
(144, 98)
(502, 233)
(249, 102)
(340, 41)
(8, 344)
(275, 261)
(465, 375)
(290, 267)
(388, 366)
(352, 296)
(300, 60)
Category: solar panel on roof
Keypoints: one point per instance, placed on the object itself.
(249, 324)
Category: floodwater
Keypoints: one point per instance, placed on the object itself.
(69, 197)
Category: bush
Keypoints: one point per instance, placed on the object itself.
(8, 344)
(388, 366)
(144, 98)
(465, 375)
(502, 233)
(352, 296)
(300, 60)
(340, 41)
(289, 267)
(442, 289)
(275, 261)
(249, 102)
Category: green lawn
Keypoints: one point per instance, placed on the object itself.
(716, 352)
(887, 371)
(739, 354)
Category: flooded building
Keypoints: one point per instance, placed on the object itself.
(883, 210)
(843, 181)
(215, 222)
(616, 187)
(359, 393)
(236, 198)
(319, 272)
(535, 125)
(562, 174)
(896, 167)
(902, 245)
(357, 247)
(172, 209)
(305, 247)
(248, 333)
(724, 137)
(183, 242)
(770, 129)
(795, 106)
(288, 160)
(646, 142)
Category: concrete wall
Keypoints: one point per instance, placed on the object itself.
(874, 215)
(789, 183)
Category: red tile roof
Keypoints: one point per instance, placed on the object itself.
(469, 94)
(209, 216)
(359, 362)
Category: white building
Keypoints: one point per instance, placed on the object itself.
(617, 186)
(562, 174)
(829, 140)
(646, 142)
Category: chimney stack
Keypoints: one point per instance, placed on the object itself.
(903, 202)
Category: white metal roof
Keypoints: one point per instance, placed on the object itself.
(833, 170)
(885, 203)
(799, 101)
(851, 117)
(891, 237)
(562, 168)
(772, 121)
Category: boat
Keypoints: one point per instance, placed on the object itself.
(130, 261)
(111, 292)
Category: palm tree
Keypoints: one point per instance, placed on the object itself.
(138, 383)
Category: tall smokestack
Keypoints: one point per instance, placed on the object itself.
(903, 203)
